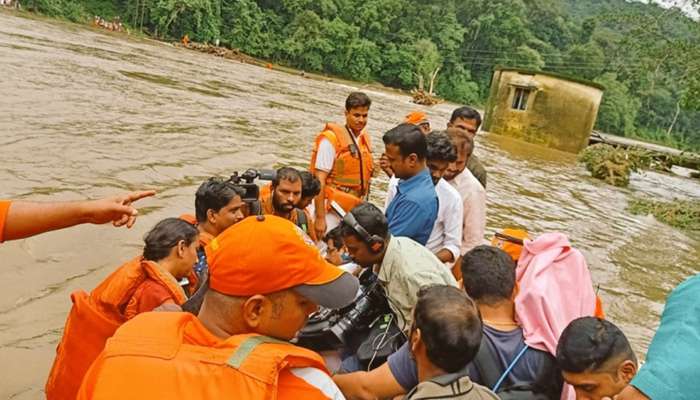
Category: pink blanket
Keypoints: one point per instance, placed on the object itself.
(555, 288)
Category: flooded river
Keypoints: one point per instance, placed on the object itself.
(85, 113)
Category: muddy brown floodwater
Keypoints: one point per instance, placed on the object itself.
(85, 113)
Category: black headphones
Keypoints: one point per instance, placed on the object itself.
(375, 242)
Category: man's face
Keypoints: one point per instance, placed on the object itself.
(402, 166)
(230, 214)
(284, 314)
(470, 126)
(286, 195)
(438, 168)
(356, 118)
(305, 202)
(360, 251)
(456, 168)
(595, 385)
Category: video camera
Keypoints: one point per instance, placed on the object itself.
(335, 329)
(246, 180)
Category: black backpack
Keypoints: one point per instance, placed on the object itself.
(547, 387)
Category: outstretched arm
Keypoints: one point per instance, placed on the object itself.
(378, 383)
(25, 219)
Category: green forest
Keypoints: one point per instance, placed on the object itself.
(647, 57)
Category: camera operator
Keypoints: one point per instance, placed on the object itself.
(402, 265)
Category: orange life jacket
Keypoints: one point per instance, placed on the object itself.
(172, 356)
(353, 166)
(346, 201)
(95, 317)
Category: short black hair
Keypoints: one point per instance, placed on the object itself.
(369, 217)
(450, 326)
(167, 233)
(286, 174)
(409, 139)
(214, 194)
(336, 235)
(591, 344)
(466, 113)
(310, 185)
(488, 274)
(440, 147)
(357, 99)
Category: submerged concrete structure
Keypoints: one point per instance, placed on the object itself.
(542, 108)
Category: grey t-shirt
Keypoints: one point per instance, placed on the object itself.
(506, 346)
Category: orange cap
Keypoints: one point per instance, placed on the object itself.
(417, 118)
(510, 246)
(265, 254)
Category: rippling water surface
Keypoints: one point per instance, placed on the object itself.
(85, 113)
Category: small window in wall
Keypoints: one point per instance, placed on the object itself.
(520, 98)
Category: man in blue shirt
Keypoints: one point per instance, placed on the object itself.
(413, 211)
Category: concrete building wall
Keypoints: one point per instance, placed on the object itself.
(542, 108)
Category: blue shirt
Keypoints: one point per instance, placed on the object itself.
(414, 209)
(506, 345)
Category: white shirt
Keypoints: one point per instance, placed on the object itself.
(447, 231)
(325, 157)
(474, 209)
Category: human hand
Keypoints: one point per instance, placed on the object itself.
(116, 209)
(320, 226)
(385, 165)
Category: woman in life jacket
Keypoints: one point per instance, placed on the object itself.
(147, 282)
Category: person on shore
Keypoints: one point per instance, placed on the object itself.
(414, 209)
(265, 281)
(22, 219)
(285, 194)
(445, 337)
(342, 157)
(595, 358)
(489, 279)
(670, 369)
(142, 284)
(468, 120)
(402, 265)
(471, 191)
(446, 237)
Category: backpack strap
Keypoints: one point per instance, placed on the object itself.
(487, 364)
(510, 368)
(302, 221)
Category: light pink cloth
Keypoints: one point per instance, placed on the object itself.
(555, 288)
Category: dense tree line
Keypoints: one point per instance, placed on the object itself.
(647, 57)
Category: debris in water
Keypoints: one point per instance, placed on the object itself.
(613, 164)
(683, 214)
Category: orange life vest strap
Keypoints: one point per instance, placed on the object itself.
(244, 349)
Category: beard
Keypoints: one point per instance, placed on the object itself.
(282, 206)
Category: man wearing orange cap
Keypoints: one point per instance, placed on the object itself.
(419, 118)
(237, 347)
